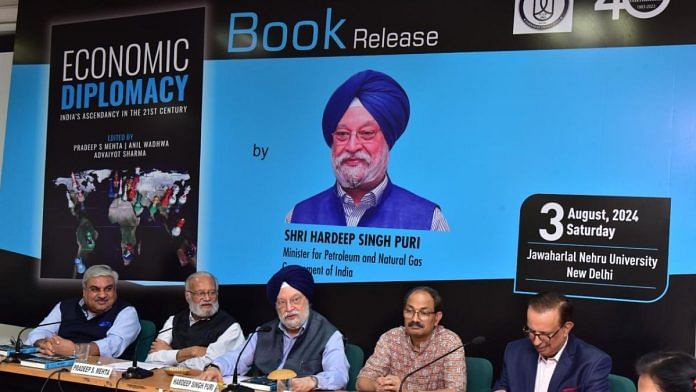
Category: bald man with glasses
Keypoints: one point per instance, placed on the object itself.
(549, 357)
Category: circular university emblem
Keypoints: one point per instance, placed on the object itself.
(543, 14)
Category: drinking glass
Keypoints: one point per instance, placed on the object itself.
(81, 352)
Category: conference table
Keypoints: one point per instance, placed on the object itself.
(22, 378)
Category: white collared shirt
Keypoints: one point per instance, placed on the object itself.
(354, 212)
(545, 369)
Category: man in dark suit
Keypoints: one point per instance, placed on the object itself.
(550, 358)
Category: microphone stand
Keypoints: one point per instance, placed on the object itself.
(16, 356)
(137, 372)
(234, 386)
(476, 340)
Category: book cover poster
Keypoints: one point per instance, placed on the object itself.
(123, 146)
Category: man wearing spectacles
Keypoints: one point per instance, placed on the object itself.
(194, 337)
(549, 357)
(421, 340)
(300, 339)
(362, 120)
(100, 319)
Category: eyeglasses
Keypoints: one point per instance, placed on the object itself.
(423, 314)
(543, 336)
(295, 301)
(363, 135)
(202, 294)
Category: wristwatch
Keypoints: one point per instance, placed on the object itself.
(316, 382)
(208, 366)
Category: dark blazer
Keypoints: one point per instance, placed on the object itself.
(582, 368)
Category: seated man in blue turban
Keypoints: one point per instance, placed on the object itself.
(300, 339)
(363, 119)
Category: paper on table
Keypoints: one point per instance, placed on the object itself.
(123, 366)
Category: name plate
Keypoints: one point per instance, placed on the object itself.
(87, 369)
(192, 384)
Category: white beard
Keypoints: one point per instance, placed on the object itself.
(198, 311)
(293, 324)
(350, 177)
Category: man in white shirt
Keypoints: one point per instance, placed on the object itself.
(194, 337)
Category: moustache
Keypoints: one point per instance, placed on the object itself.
(351, 155)
(415, 324)
(289, 314)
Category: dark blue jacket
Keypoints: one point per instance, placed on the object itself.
(582, 368)
(77, 328)
(397, 209)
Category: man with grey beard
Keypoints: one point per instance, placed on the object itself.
(362, 120)
(300, 339)
(194, 337)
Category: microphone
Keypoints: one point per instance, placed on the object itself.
(476, 340)
(16, 356)
(136, 372)
(234, 387)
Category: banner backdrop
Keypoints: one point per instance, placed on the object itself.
(587, 103)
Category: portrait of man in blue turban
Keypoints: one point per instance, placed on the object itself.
(362, 121)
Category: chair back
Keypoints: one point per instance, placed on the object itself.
(147, 335)
(621, 384)
(479, 374)
(356, 360)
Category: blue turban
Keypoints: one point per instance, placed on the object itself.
(381, 95)
(296, 276)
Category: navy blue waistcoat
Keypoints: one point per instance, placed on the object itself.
(77, 328)
(397, 209)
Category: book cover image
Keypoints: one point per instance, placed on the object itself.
(260, 383)
(123, 146)
(42, 361)
(9, 349)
